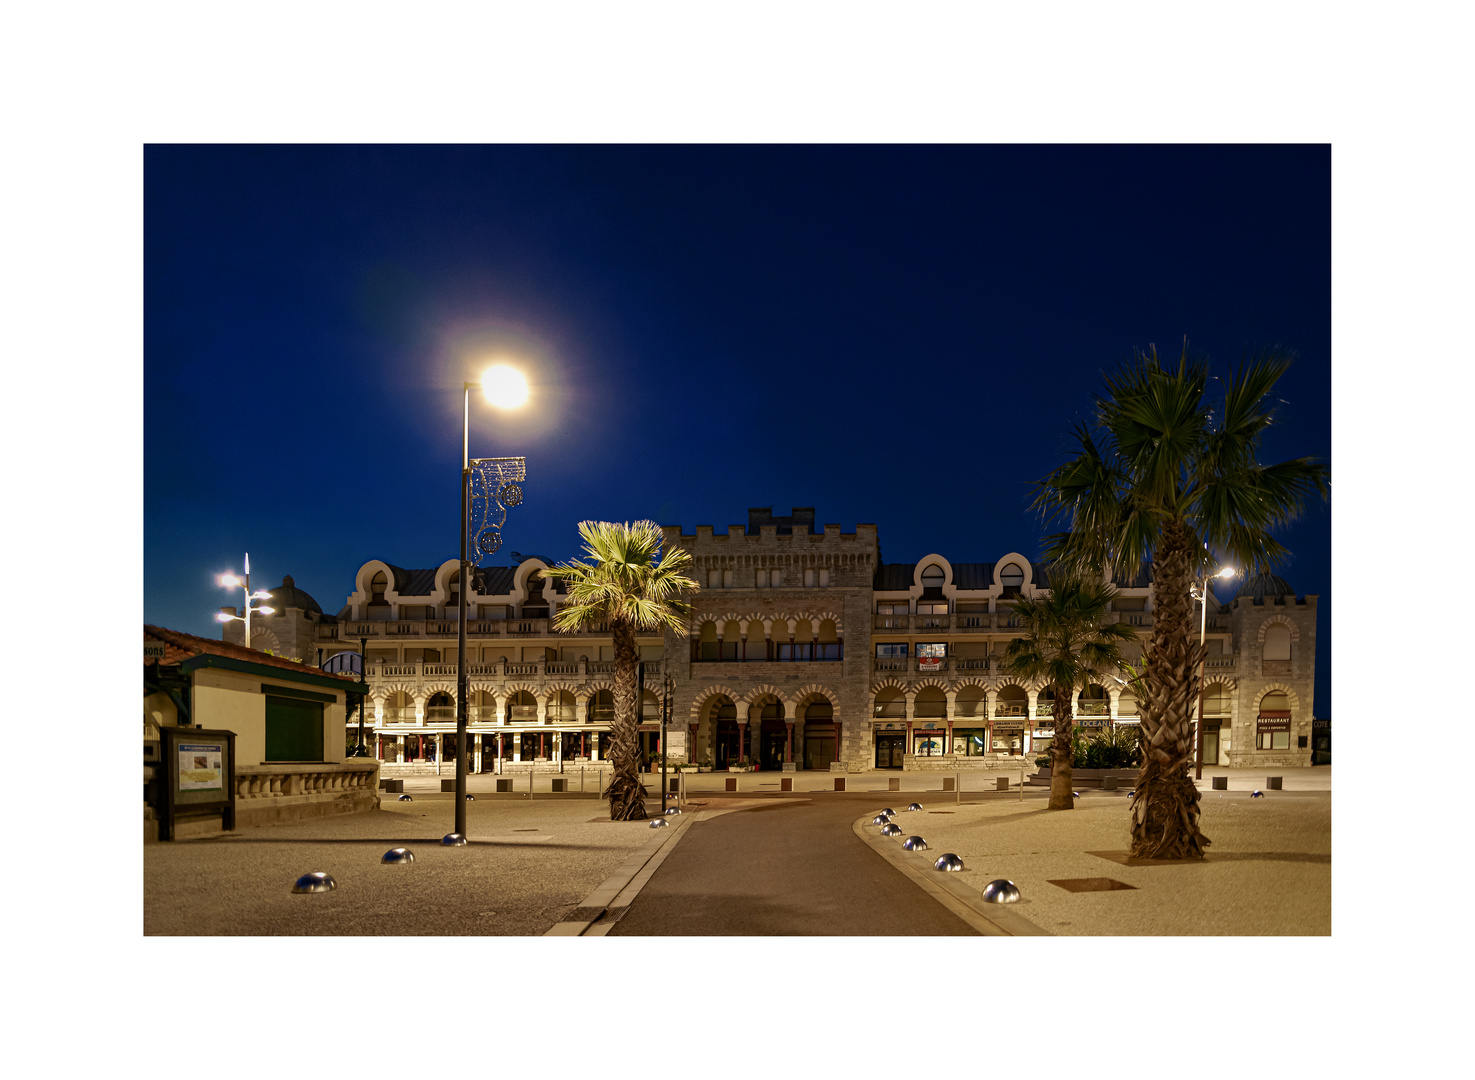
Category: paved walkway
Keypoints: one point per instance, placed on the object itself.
(553, 863)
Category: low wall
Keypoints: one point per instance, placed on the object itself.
(274, 794)
(948, 763)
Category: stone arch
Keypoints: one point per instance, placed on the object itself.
(520, 686)
(832, 616)
(761, 690)
(264, 640)
(887, 683)
(931, 680)
(440, 686)
(1285, 620)
(805, 694)
(699, 702)
(1273, 687)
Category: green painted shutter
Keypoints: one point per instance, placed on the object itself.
(294, 730)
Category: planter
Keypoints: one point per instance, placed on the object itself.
(735, 768)
(704, 768)
(1093, 777)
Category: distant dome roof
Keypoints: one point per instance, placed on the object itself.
(288, 595)
(1262, 585)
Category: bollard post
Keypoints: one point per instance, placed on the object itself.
(530, 783)
(1021, 785)
(960, 787)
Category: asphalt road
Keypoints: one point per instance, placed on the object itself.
(793, 868)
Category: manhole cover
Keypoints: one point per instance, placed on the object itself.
(1091, 884)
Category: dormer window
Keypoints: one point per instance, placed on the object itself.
(933, 577)
(1011, 576)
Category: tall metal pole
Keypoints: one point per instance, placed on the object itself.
(461, 612)
(361, 750)
(248, 600)
(665, 717)
(1203, 622)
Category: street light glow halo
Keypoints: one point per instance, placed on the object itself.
(504, 386)
(267, 610)
(1227, 572)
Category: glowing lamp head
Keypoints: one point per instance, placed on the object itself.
(266, 611)
(504, 386)
(230, 581)
(1227, 572)
(223, 617)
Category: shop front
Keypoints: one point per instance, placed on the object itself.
(1008, 735)
(891, 745)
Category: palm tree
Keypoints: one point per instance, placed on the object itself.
(1066, 644)
(635, 587)
(1165, 474)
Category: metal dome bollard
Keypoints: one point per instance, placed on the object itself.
(314, 883)
(948, 862)
(672, 811)
(890, 830)
(399, 855)
(915, 806)
(453, 839)
(405, 798)
(914, 843)
(880, 819)
(1257, 795)
(1001, 891)
(471, 798)
(888, 810)
(658, 823)
(1075, 794)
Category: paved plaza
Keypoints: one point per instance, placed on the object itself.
(554, 864)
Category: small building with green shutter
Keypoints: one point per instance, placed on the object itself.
(288, 718)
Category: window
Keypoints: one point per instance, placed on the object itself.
(727, 579)
(1273, 726)
(714, 579)
(776, 578)
(810, 578)
(932, 648)
(933, 577)
(824, 578)
(1011, 577)
(891, 650)
(1277, 642)
(969, 742)
(294, 729)
(924, 608)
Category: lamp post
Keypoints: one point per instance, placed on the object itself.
(505, 388)
(230, 581)
(361, 750)
(666, 684)
(1203, 623)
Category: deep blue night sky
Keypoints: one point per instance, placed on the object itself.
(893, 334)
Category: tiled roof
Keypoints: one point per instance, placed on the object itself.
(179, 647)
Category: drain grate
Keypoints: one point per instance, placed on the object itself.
(940, 811)
(1091, 884)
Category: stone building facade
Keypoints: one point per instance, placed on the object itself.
(802, 651)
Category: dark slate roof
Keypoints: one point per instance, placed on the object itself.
(288, 595)
(893, 577)
(973, 575)
(1262, 585)
(495, 581)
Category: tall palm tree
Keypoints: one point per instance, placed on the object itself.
(1066, 644)
(637, 588)
(1166, 474)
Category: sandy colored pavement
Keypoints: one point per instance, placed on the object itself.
(1267, 871)
(526, 866)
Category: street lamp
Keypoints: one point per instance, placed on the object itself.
(1202, 596)
(230, 581)
(505, 388)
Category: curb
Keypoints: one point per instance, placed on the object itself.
(991, 920)
(621, 886)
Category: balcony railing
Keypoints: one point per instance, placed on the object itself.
(1093, 708)
(480, 628)
(891, 622)
(494, 669)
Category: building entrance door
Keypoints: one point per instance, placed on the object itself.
(1211, 746)
(772, 750)
(819, 749)
(890, 747)
(727, 750)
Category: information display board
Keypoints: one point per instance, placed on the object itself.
(199, 776)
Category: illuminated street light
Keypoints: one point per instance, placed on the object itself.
(230, 581)
(1201, 594)
(504, 387)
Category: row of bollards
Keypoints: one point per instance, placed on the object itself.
(318, 882)
(999, 891)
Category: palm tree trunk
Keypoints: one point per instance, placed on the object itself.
(1165, 806)
(1062, 752)
(626, 793)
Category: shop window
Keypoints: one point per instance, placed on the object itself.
(970, 742)
(928, 744)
